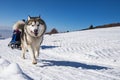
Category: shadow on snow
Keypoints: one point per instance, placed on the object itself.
(27, 77)
(71, 64)
(68, 63)
(48, 47)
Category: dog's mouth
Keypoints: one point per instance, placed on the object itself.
(35, 33)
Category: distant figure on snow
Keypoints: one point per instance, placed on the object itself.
(15, 41)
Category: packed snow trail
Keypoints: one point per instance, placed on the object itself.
(80, 55)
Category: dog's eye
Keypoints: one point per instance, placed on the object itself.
(32, 25)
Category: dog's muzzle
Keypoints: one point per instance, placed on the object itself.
(36, 32)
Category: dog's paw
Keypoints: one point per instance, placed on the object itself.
(34, 62)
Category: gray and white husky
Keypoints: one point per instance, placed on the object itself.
(32, 36)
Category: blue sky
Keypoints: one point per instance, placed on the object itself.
(61, 14)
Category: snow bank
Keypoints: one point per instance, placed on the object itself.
(11, 71)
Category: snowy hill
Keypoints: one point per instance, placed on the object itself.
(5, 33)
(80, 55)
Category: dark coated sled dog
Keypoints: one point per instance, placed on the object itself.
(32, 36)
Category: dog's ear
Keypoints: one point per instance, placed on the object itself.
(29, 18)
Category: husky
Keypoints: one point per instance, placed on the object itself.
(32, 32)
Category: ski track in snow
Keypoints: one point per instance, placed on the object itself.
(79, 55)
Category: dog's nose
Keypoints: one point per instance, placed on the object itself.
(35, 30)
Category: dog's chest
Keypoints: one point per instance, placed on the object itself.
(33, 41)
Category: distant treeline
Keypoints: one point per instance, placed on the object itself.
(103, 26)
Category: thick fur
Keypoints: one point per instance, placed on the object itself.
(19, 25)
(32, 36)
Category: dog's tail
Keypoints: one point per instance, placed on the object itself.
(19, 25)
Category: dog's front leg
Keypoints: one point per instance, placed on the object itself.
(31, 50)
(37, 51)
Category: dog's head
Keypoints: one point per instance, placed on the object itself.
(35, 26)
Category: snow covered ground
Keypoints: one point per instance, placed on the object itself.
(79, 55)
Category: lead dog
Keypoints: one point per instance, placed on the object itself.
(32, 36)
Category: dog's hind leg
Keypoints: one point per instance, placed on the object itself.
(23, 51)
